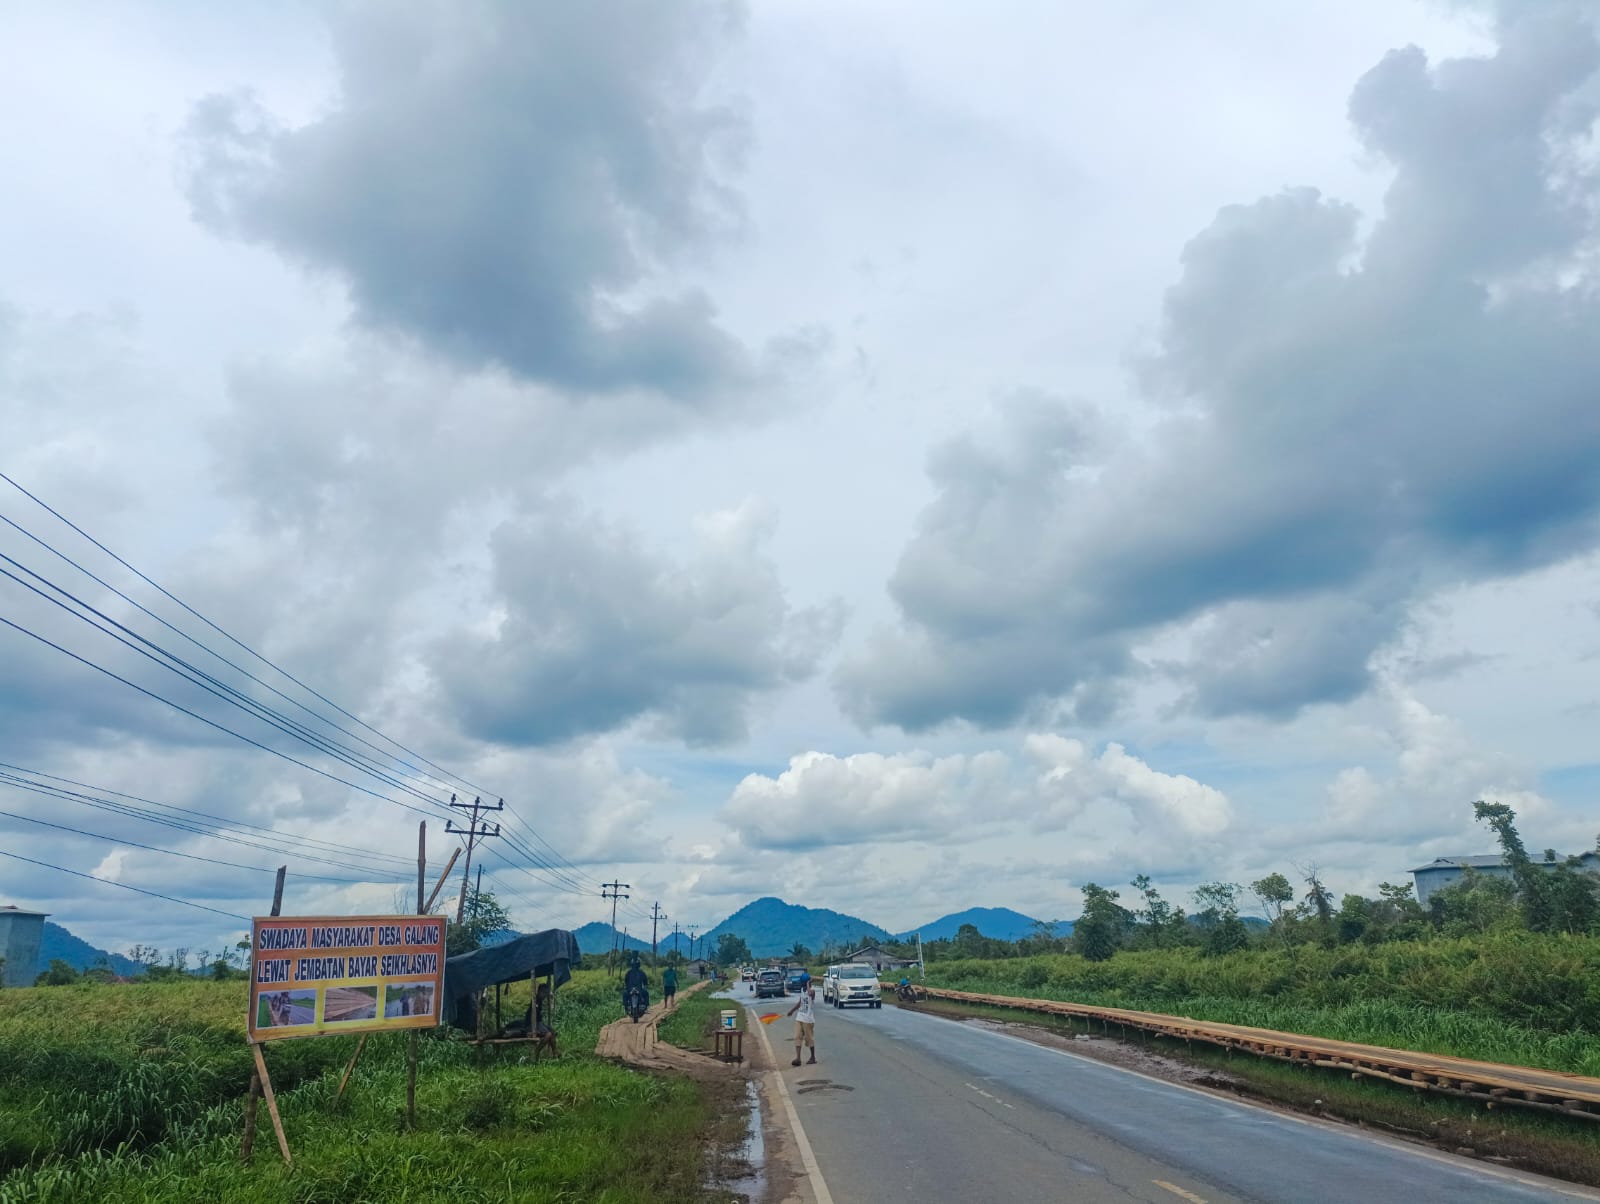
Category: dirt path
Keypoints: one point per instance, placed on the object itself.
(639, 1045)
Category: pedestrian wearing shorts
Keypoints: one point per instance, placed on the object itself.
(669, 987)
(805, 1025)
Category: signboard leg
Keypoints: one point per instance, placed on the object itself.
(360, 1045)
(411, 1037)
(248, 1147)
(272, 1103)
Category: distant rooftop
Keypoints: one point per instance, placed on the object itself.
(22, 911)
(1485, 861)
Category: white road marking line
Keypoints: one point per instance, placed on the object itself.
(995, 1098)
(1178, 1191)
(1464, 1165)
(807, 1159)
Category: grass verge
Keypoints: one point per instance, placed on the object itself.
(1548, 1145)
(691, 1025)
(575, 1128)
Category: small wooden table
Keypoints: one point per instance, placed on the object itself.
(729, 1045)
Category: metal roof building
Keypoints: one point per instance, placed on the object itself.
(20, 934)
(1447, 871)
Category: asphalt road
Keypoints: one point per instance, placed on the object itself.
(909, 1106)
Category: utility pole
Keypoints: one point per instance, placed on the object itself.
(692, 927)
(676, 943)
(656, 916)
(614, 891)
(472, 832)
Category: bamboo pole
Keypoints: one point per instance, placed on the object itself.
(248, 1146)
(360, 1045)
(272, 1104)
(439, 885)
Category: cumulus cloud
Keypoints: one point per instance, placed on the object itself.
(1425, 798)
(1058, 786)
(591, 632)
(1348, 425)
(823, 800)
(504, 183)
(1071, 780)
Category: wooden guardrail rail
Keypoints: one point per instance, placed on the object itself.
(1488, 1082)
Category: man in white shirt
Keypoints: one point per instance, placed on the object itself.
(804, 1025)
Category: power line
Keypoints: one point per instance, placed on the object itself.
(232, 639)
(53, 550)
(560, 868)
(211, 685)
(236, 865)
(208, 722)
(375, 873)
(125, 886)
(216, 831)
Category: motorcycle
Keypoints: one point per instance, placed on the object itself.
(907, 993)
(635, 1001)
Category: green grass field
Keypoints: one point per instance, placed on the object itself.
(134, 1093)
(1520, 998)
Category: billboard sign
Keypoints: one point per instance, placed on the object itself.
(325, 975)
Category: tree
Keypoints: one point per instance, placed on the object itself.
(482, 917)
(1478, 903)
(1163, 923)
(799, 953)
(1041, 938)
(1099, 931)
(1217, 914)
(60, 974)
(1274, 894)
(731, 950)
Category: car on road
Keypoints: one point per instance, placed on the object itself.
(795, 979)
(856, 983)
(769, 984)
(829, 983)
(747, 973)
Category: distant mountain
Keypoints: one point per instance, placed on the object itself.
(772, 927)
(595, 940)
(996, 923)
(58, 943)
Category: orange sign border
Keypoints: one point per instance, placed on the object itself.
(320, 989)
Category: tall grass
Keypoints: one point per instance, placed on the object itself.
(81, 1071)
(1522, 998)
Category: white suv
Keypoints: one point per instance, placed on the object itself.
(829, 982)
(854, 983)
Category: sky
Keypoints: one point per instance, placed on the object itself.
(897, 457)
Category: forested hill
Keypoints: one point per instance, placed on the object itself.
(57, 942)
(772, 927)
(996, 923)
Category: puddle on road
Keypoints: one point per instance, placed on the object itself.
(751, 1156)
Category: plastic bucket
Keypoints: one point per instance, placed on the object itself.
(728, 1019)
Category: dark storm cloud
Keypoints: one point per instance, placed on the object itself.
(503, 182)
(594, 633)
(1350, 425)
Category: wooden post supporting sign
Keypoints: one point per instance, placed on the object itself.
(411, 1037)
(248, 1146)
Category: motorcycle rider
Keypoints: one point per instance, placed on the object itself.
(634, 980)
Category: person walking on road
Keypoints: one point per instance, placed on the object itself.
(669, 987)
(805, 1025)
